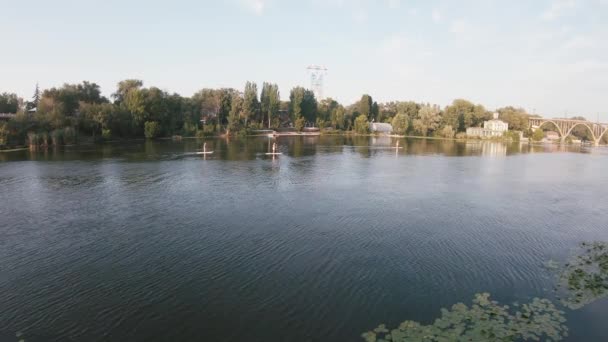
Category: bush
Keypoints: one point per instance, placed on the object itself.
(461, 135)
(299, 125)
(538, 135)
(189, 129)
(3, 134)
(150, 129)
(275, 123)
(321, 123)
(69, 136)
(361, 125)
(512, 135)
(256, 126)
(447, 132)
(209, 130)
(200, 134)
(106, 134)
(484, 320)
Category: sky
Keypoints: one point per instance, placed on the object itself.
(547, 56)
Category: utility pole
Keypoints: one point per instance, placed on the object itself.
(317, 73)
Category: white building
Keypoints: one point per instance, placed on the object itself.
(491, 128)
(380, 127)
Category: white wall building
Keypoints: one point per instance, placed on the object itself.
(381, 127)
(491, 128)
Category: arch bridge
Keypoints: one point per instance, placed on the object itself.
(564, 127)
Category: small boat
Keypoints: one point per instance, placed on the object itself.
(204, 151)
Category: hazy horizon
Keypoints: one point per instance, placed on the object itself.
(545, 56)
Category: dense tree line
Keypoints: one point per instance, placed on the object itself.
(79, 111)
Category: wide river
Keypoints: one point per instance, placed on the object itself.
(147, 241)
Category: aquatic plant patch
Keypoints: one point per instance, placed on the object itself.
(484, 320)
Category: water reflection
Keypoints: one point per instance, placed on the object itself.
(293, 147)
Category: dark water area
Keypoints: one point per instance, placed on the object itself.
(147, 241)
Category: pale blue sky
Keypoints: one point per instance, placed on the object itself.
(547, 55)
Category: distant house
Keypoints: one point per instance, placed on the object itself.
(551, 136)
(380, 127)
(491, 128)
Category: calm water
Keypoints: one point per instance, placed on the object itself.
(148, 242)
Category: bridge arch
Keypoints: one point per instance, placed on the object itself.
(602, 134)
(585, 125)
(564, 127)
(559, 130)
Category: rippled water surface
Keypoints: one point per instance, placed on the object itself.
(150, 242)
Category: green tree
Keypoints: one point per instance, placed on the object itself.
(134, 103)
(338, 118)
(302, 102)
(97, 116)
(463, 114)
(428, 120)
(250, 108)
(234, 118)
(365, 107)
(35, 99)
(326, 108)
(517, 118)
(208, 103)
(151, 129)
(9, 103)
(90, 93)
(409, 108)
(375, 112)
(270, 101)
(124, 87)
(296, 97)
(226, 95)
(361, 124)
(309, 106)
(400, 123)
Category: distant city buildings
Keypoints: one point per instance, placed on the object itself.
(491, 128)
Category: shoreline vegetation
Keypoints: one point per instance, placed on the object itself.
(78, 113)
